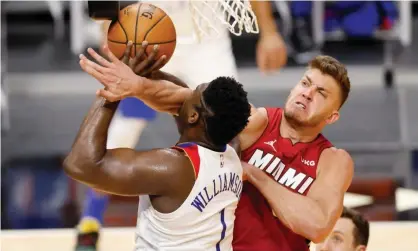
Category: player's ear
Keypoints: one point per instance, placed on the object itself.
(335, 115)
(361, 248)
(193, 116)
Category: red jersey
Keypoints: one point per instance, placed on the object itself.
(293, 166)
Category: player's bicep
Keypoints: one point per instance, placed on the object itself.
(332, 182)
(127, 172)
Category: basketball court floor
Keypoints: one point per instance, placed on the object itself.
(384, 237)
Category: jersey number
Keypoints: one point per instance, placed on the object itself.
(218, 245)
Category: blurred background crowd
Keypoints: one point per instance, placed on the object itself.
(45, 96)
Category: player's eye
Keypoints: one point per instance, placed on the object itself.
(336, 238)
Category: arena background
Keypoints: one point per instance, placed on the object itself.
(47, 95)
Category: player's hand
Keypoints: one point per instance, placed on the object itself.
(143, 65)
(255, 176)
(117, 76)
(271, 52)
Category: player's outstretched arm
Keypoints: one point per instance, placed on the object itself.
(161, 91)
(121, 171)
(312, 216)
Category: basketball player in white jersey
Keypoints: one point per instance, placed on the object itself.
(193, 187)
(194, 61)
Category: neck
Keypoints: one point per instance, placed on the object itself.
(202, 141)
(297, 133)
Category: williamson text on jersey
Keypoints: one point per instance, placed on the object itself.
(228, 182)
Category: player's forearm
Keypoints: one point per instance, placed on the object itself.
(265, 19)
(89, 147)
(301, 214)
(161, 75)
(162, 95)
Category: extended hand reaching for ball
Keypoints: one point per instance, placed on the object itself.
(120, 77)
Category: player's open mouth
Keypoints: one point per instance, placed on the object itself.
(299, 104)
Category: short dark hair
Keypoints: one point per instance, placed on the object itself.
(226, 98)
(361, 226)
(331, 66)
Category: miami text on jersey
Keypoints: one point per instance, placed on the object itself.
(289, 178)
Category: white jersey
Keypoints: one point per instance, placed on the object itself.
(205, 219)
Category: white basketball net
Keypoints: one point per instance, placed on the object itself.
(236, 15)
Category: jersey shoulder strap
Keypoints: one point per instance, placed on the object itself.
(192, 152)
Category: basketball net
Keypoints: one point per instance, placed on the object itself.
(209, 16)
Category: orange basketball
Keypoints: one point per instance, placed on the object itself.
(138, 22)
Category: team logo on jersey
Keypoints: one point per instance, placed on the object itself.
(271, 143)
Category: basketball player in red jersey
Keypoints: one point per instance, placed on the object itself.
(297, 178)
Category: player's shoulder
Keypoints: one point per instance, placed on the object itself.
(177, 161)
(257, 123)
(170, 152)
(258, 111)
(258, 116)
(335, 152)
(175, 169)
(176, 152)
(173, 157)
(266, 113)
(336, 156)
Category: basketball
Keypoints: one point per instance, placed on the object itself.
(139, 22)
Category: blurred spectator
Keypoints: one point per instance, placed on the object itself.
(350, 233)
